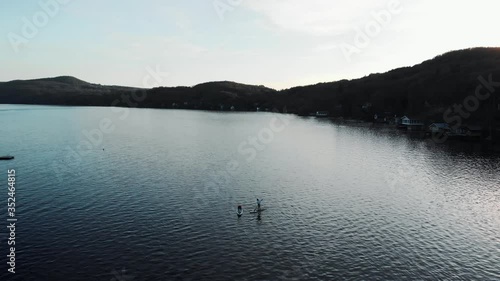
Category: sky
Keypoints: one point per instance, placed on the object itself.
(276, 43)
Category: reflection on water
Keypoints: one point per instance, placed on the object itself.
(342, 202)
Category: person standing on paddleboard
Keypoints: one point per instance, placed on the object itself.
(258, 203)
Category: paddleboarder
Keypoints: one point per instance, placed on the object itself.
(258, 203)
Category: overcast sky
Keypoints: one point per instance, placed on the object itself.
(276, 43)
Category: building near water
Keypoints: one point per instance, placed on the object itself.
(322, 113)
(473, 131)
(439, 128)
(384, 117)
(412, 124)
(411, 121)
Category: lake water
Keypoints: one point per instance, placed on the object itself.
(153, 196)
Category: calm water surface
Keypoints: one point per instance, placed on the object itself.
(155, 199)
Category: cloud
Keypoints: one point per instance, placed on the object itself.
(315, 17)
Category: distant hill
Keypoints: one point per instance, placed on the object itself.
(69, 80)
(66, 90)
(424, 90)
(63, 90)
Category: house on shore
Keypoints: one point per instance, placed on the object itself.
(441, 128)
(411, 124)
(384, 118)
(465, 132)
(322, 114)
(445, 129)
(472, 131)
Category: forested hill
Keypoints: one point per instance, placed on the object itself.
(426, 90)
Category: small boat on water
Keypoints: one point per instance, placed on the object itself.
(6, 157)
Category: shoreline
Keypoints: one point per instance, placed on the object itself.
(486, 145)
(492, 147)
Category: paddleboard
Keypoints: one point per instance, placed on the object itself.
(257, 211)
